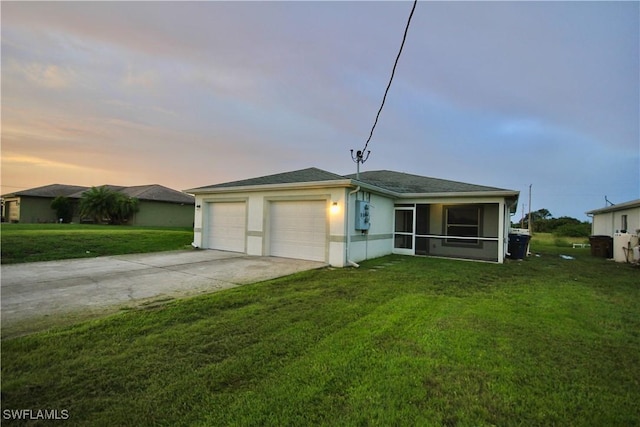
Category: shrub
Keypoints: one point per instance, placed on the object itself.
(63, 207)
(573, 230)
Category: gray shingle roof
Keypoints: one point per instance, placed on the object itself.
(617, 207)
(158, 193)
(400, 182)
(153, 192)
(303, 175)
(397, 182)
(52, 190)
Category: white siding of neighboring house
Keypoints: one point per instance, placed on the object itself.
(608, 223)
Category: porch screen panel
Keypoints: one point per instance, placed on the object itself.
(403, 235)
(422, 229)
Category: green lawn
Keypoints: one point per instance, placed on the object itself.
(399, 341)
(46, 242)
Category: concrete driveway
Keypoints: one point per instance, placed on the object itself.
(33, 291)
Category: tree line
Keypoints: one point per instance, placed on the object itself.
(98, 204)
(544, 222)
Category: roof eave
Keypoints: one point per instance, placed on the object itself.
(621, 206)
(265, 187)
(465, 194)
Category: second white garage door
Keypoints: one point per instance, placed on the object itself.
(298, 229)
(227, 225)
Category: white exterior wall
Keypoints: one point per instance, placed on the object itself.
(608, 223)
(378, 240)
(258, 206)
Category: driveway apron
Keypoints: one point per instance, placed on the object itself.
(34, 290)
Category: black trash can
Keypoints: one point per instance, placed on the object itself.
(518, 244)
(601, 246)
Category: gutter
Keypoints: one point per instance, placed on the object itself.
(351, 263)
(265, 187)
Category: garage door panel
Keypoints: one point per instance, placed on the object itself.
(298, 229)
(227, 226)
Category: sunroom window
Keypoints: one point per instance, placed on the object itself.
(462, 225)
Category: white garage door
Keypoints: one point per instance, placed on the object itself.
(227, 224)
(298, 229)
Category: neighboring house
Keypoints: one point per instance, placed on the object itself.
(159, 206)
(620, 224)
(620, 218)
(318, 215)
(34, 205)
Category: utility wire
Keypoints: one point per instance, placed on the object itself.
(406, 30)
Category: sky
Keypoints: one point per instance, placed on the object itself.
(515, 95)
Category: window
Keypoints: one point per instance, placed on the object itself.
(403, 237)
(462, 222)
(623, 224)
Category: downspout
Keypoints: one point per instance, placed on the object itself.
(351, 263)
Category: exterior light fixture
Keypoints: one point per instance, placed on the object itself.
(198, 206)
(335, 208)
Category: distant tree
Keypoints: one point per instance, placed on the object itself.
(63, 207)
(102, 204)
(543, 222)
(579, 229)
(541, 214)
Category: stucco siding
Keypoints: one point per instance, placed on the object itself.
(258, 204)
(162, 214)
(608, 223)
(32, 210)
(378, 240)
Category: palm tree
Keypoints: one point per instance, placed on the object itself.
(96, 203)
(123, 208)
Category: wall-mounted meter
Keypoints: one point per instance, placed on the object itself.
(363, 217)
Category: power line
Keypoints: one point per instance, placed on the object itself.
(404, 37)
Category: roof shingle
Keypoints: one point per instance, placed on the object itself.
(303, 175)
(153, 192)
(396, 182)
(401, 182)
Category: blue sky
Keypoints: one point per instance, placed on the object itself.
(505, 94)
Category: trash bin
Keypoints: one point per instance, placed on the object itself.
(601, 246)
(518, 244)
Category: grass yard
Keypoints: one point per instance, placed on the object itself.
(399, 341)
(46, 242)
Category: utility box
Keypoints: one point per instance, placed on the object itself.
(363, 216)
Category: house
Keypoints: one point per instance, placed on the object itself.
(341, 220)
(621, 223)
(158, 205)
(34, 205)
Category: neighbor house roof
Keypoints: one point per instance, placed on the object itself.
(396, 183)
(153, 192)
(157, 193)
(618, 207)
(52, 190)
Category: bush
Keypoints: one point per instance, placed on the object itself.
(582, 229)
(63, 207)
